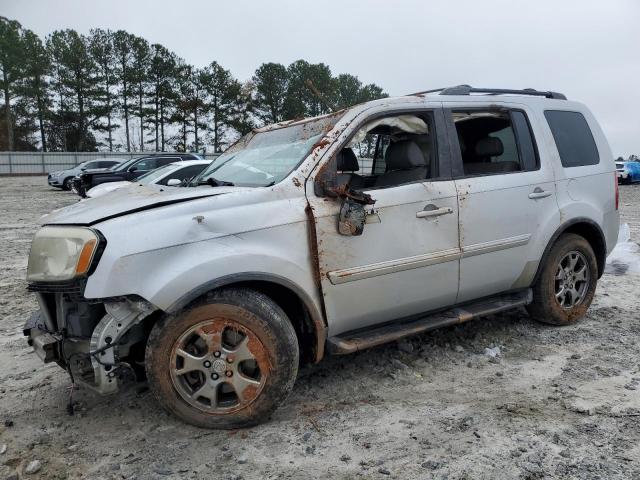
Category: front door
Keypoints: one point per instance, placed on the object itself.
(406, 260)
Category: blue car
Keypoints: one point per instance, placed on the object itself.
(628, 172)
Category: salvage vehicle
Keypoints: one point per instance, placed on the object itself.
(127, 171)
(62, 178)
(628, 172)
(172, 175)
(323, 236)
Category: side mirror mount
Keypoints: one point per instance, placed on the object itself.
(174, 182)
(352, 218)
(326, 181)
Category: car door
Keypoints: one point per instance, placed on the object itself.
(406, 260)
(506, 196)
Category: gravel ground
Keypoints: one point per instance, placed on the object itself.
(557, 402)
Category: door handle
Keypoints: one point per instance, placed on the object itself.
(433, 211)
(538, 193)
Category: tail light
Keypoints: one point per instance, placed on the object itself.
(615, 177)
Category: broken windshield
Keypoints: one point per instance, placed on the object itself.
(265, 158)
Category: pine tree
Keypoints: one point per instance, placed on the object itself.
(77, 77)
(138, 80)
(102, 50)
(123, 47)
(270, 82)
(11, 64)
(34, 87)
(222, 90)
(161, 72)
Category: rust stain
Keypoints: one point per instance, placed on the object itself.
(296, 182)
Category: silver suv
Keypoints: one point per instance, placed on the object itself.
(326, 236)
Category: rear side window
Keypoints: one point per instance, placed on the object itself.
(573, 138)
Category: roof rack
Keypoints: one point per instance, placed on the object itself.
(468, 90)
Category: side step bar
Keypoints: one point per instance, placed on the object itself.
(350, 342)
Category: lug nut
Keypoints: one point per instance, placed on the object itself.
(207, 364)
(216, 354)
(228, 373)
(214, 376)
(230, 359)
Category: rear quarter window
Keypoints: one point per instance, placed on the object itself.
(573, 138)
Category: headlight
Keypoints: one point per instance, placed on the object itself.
(61, 253)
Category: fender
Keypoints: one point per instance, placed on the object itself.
(601, 254)
(317, 318)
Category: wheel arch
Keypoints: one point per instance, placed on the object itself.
(587, 229)
(306, 319)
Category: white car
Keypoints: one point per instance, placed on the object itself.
(171, 175)
(289, 248)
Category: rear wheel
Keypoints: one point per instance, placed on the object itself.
(566, 285)
(226, 362)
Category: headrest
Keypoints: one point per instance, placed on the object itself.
(347, 161)
(404, 155)
(489, 147)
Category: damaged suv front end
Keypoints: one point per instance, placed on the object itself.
(79, 334)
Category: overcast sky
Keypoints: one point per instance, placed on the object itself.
(587, 49)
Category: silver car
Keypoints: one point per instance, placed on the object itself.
(62, 178)
(325, 236)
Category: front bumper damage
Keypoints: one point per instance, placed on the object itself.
(92, 349)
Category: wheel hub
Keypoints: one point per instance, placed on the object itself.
(572, 280)
(218, 366)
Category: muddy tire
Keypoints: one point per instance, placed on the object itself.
(227, 361)
(566, 285)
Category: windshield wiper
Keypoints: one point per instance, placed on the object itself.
(215, 182)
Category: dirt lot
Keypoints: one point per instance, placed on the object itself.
(558, 402)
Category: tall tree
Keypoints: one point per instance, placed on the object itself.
(182, 106)
(138, 80)
(11, 58)
(223, 91)
(34, 87)
(123, 48)
(270, 82)
(309, 90)
(77, 75)
(102, 50)
(162, 69)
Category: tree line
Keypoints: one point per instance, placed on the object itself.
(112, 90)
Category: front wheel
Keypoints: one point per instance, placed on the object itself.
(228, 361)
(66, 185)
(566, 285)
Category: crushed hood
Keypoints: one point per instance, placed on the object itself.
(128, 200)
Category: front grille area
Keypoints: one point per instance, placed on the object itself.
(74, 288)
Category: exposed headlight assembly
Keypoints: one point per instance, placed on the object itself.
(60, 254)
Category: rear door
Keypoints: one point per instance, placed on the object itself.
(506, 196)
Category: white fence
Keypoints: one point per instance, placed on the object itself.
(41, 163)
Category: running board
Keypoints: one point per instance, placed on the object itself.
(350, 342)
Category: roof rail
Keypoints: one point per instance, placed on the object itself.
(468, 90)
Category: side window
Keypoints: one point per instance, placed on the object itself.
(94, 164)
(390, 151)
(573, 138)
(146, 164)
(184, 173)
(495, 142)
(162, 161)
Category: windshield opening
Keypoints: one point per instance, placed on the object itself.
(261, 159)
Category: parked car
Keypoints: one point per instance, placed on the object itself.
(127, 171)
(287, 248)
(628, 172)
(62, 178)
(172, 175)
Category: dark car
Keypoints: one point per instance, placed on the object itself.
(127, 171)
